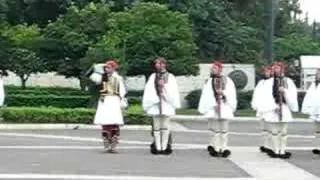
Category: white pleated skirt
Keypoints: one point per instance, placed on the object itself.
(109, 111)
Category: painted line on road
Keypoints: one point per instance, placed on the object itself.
(263, 167)
(97, 139)
(102, 177)
(84, 139)
(247, 134)
(175, 147)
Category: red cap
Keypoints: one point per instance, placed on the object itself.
(161, 60)
(280, 64)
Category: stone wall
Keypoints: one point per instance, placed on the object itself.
(185, 83)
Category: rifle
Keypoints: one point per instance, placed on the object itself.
(280, 84)
(218, 86)
(160, 89)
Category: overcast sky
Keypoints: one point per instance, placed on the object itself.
(313, 9)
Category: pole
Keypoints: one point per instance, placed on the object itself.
(270, 29)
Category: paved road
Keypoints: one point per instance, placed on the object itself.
(78, 154)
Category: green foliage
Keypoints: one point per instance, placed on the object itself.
(23, 62)
(44, 91)
(138, 35)
(219, 34)
(193, 98)
(287, 47)
(68, 38)
(59, 115)
(22, 57)
(61, 101)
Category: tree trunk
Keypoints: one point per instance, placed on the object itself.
(23, 79)
(23, 83)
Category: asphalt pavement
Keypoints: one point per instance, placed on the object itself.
(78, 154)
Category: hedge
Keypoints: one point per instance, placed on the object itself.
(44, 91)
(244, 99)
(60, 115)
(47, 100)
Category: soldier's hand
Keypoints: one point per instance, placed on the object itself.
(220, 92)
(281, 89)
(216, 108)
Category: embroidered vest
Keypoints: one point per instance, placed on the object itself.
(110, 86)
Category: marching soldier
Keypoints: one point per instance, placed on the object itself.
(311, 106)
(256, 101)
(109, 114)
(160, 100)
(280, 98)
(218, 102)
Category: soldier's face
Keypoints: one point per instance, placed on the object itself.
(215, 70)
(108, 69)
(268, 73)
(277, 69)
(160, 67)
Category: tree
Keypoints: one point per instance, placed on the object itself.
(287, 47)
(23, 63)
(219, 34)
(22, 55)
(138, 35)
(67, 39)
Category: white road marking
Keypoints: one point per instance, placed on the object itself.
(189, 131)
(175, 147)
(261, 166)
(101, 177)
(86, 139)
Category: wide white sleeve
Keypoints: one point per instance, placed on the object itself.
(255, 95)
(308, 100)
(150, 97)
(291, 95)
(123, 90)
(207, 100)
(2, 93)
(96, 78)
(171, 92)
(266, 102)
(231, 94)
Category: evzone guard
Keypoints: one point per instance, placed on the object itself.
(256, 102)
(311, 106)
(160, 100)
(278, 102)
(218, 102)
(109, 113)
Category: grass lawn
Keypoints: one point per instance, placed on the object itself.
(242, 112)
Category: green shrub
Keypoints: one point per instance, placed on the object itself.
(244, 99)
(44, 91)
(193, 98)
(59, 115)
(47, 100)
(134, 100)
(135, 93)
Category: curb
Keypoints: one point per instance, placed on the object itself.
(66, 126)
(184, 118)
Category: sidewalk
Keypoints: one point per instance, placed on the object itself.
(175, 119)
